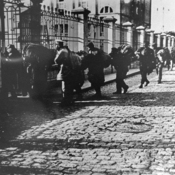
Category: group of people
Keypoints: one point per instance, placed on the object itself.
(153, 58)
(71, 67)
(96, 60)
(149, 59)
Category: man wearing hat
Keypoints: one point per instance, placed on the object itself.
(146, 58)
(161, 55)
(59, 44)
(65, 87)
(158, 54)
(96, 66)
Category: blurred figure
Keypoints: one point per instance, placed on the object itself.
(147, 62)
(159, 54)
(38, 60)
(70, 73)
(172, 56)
(121, 61)
(11, 71)
(168, 59)
(95, 65)
(66, 85)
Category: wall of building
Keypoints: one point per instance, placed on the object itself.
(95, 6)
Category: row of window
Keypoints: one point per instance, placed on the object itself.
(63, 28)
(84, 4)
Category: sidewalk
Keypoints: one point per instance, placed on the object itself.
(111, 78)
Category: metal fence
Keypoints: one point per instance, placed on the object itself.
(45, 24)
(24, 25)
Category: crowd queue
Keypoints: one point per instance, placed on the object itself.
(30, 68)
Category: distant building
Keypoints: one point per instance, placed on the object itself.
(136, 11)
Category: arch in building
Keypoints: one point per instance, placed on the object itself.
(106, 9)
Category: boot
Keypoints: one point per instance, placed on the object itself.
(147, 82)
(141, 86)
(126, 89)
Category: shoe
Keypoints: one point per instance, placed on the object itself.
(116, 92)
(147, 83)
(159, 82)
(126, 89)
(141, 86)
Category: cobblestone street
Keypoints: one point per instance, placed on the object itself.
(124, 134)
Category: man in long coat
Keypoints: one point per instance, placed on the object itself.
(159, 56)
(95, 66)
(70, 72)
(121, 60)
(147, 61)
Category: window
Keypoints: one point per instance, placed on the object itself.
(79, 3)
(101, 26)
(73, 5)
(101, 29)
(111, 10)
(61, 28)
(101, 11)
(66, 28)
(106, 9)
(56, 27)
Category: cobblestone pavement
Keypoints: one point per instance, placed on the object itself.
(127, 134)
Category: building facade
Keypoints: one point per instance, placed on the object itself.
(106, 23)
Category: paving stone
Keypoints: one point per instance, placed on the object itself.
(108, 136)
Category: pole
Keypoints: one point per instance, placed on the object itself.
(120, 21)
(35, 21)
(2, 39)
(86, 30)
(2, 29)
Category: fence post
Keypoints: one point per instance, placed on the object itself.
(172, 42)
(151, 36)
(158, 39)
(129, 26)
(142, 36)
(84, 32)
(169, 41)
(2, 26)
(111, 32)
(112, 22)
(164, 39)
(2, 37)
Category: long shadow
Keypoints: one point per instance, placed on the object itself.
(25, 113)
(132, 99)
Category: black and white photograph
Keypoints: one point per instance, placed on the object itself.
(87, 87)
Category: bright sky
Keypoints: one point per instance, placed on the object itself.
(163, 15)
